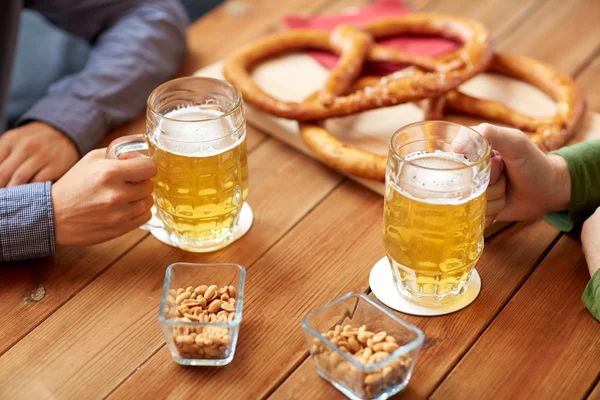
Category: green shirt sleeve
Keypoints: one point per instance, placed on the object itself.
(583, 160)
(591, 296)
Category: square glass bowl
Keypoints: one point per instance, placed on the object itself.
(387, 372)
(196, 341)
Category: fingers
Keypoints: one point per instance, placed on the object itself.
(494, 208)
(139, 220)
(135, 169)
(9, 166)
(512, 144)
(25, 172)
(497, 190)
(44, 175)
(140, 207)
(139, 190)
(497, 169)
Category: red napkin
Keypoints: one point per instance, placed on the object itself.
(379, 9)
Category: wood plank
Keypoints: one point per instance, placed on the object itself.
(595, 395)
(562, 33)
(545, 337)
(432, 366)
(32, 290)
(589, 81)
(101, 335)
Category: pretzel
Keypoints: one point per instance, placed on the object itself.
(354, 47)
(548, 132)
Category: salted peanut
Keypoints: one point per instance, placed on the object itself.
(201, 289)
(213, 318)
(227, 307)
(379, 337)
(346, 328)
(363, 337)
(211, 292)
(353, 345)
(202, 302)
(199, 341)
(367, 353)
(337, 331)
(386, 371)
(183, 310)
(372, 379)
(170, 299)
(192, 317)
(390, 347)
(224, 297)
(183, 296)
(390, 339)
(342, 342)
(189, 289)
(222, 348)
(180, 290)
(197, 311)
(221, 313)
(380, 355)
(226, 339)
(184, 339)
(370, 343)
(214, 306)
(378, 347)
(190, 302)
(223, 290)
(208, 341)
(231, 301)
(232, 291)
(344, 349)
(231, 317)
(211, 351)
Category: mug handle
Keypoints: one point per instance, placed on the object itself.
(129, 144)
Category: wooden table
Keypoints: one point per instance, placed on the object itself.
(83, 324)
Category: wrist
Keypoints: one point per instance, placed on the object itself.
(560, 197)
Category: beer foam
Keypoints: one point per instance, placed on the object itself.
(196, 131)
(438, 178)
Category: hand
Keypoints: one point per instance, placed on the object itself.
(525, 183)
(590, 239)
(36, 152)
(100, 199)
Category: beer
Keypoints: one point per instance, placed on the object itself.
(433, 225)
(202, 179)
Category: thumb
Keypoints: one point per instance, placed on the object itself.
(511, 144)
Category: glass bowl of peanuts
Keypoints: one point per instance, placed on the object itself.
(362, 348)
(201, 311)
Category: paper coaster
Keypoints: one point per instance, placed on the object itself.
(244, 224)
(382, 285)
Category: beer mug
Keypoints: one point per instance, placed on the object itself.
(196, 135)
(434, 212)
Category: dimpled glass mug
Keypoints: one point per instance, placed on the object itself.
(434, 213)
(196, 135)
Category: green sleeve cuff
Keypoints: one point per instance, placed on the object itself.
(583, 160)
(591, 296)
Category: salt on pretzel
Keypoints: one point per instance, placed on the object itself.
(436, 79)
(548, 132)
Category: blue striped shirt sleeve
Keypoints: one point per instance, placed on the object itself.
(26, 222)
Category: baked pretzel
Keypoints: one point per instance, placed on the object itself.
(548, 132)
(354, 47)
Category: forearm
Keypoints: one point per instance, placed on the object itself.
(26, 222)
(140, 50)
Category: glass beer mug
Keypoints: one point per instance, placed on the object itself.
(434, 213)
(196, 135)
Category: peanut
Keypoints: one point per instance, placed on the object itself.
(202, 304)
(367, 348)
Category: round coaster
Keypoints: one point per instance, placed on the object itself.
(154, 226)
(382, 285)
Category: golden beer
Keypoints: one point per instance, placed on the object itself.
(200, 187)
(434, 217)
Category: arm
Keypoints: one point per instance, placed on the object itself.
(26, 222)
(141, 48)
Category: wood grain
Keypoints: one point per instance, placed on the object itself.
(449, 337)
(544, 344)
(591, 84)
(595, 395)
(326, 255)
(32, 290)
(101, 335)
